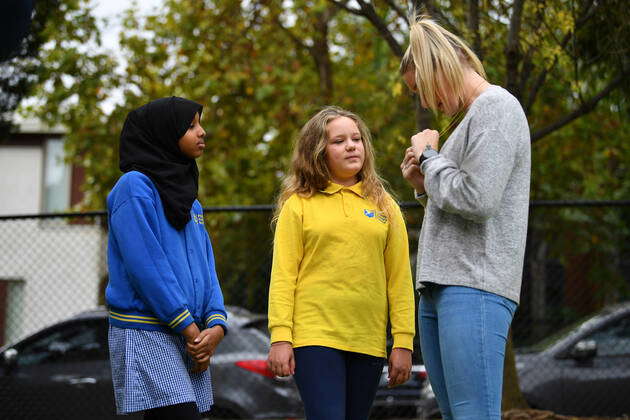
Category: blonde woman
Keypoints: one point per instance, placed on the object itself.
(340, 273)
(475, 190)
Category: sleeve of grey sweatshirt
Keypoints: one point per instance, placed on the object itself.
(474, 188)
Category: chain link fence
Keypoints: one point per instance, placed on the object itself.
(53, 325)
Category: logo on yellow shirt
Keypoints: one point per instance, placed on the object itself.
(378, 215)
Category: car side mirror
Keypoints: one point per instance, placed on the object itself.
(9, 358)
(584, 350)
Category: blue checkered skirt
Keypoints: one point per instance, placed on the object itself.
(152, 369)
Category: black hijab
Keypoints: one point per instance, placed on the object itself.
(149, 144)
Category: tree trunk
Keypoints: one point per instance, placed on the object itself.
(512, 396)
(473, 27)
(321, 53)
(538, 285)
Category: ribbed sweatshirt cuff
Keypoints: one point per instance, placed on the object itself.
(403, 340)
(281, 334)
(179, 323)
(217, 318)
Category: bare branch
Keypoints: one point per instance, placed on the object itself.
(584, 109)
(367, 11)
(527, 68)
(319, 51)
(400, 12)
(344, 5)
(540, 80)
(298, 42)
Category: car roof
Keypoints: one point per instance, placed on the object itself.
(614, 308)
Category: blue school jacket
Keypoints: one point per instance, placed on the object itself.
(159, 278)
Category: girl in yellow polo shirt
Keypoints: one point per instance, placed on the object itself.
(340, 272)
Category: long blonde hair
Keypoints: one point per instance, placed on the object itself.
(439, 59)
(308, 172)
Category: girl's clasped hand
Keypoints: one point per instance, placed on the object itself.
(201, 345)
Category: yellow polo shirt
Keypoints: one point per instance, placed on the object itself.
(340, 272)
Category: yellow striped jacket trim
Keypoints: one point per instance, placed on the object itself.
(134, 317)
(174, 323)
(142, 321)
(215, 317)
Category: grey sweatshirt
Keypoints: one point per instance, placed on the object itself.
(477, 200)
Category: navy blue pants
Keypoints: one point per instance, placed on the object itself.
(336, 384)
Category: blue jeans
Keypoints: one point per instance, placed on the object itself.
(336, 384)
(463, 333)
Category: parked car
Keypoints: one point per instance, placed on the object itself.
(583, 370)
(401, 401)
(63, 372)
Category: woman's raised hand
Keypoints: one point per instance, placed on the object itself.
(411, 171)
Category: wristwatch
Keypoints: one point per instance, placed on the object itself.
(428, 152)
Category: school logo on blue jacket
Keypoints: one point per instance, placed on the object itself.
(378, 215)
(197, 218)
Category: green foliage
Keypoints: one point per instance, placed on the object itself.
(254, 66)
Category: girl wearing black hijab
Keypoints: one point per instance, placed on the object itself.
(166, 310)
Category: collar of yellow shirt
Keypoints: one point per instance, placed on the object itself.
(333, 188)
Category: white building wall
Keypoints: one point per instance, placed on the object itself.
(20, 179)
(53, 267)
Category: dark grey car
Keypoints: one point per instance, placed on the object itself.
(583, 370)
(63, 372)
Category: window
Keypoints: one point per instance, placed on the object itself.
(76, 342)
(614, 338)
(56, 178)
(11, 306)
